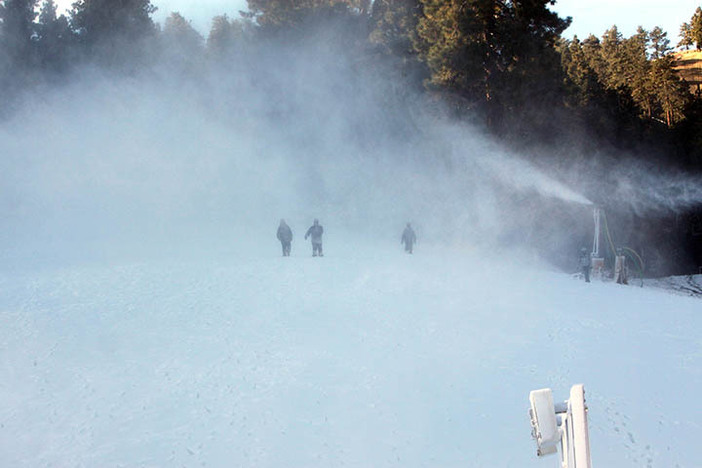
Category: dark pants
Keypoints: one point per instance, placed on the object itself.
(586, 273)
(286, 248)
(317, 250)
(408, 247)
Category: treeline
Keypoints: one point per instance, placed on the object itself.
(502, 63)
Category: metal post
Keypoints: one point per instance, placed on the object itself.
(563, 424)
(581, 435)
(597, 262)
(596, 242)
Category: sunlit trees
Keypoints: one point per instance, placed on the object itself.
(502, 62)
(487, 50)
(686, 36)
(671, 93)
(696, 28)
(660, 44)
(455, 39)
(636, 73)
(395, 26)
(393, 34)
(615, 59)
(583, 85)
(691, 33)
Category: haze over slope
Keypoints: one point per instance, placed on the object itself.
(149, 320)
(302, 131)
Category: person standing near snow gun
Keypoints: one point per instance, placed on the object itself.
(585, 264)
(315, 232)
(409, 238)
(285, 237)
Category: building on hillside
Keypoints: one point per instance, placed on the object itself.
(688, 63)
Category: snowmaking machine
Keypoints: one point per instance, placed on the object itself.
(562, 425)
(624, 258)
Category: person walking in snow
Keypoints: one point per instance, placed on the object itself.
(315, 232)
(409, 238)
(285, 237)
(585, 263)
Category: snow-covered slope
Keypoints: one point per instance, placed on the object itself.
(366, 357)
(147, 318)
(686, 285)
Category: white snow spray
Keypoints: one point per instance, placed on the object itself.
(368, 357)
(305, 133)
(522, 175)
(665, 191)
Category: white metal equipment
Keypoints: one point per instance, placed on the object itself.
(565, 423)
(596, 241)
(597, 262)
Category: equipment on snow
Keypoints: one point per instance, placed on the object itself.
(563, 424)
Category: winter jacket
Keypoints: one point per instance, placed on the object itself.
(284, 233)
(408, 236)
(584, 259)
(315, 231)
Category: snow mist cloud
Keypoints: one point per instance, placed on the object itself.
(299, 131)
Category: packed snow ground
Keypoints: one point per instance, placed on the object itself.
(366, 357)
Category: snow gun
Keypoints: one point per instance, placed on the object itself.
(598, 261)
(563, 424)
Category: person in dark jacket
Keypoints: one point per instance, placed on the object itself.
(285, 237)
(585, 263)
(315, 232)
(409, 238)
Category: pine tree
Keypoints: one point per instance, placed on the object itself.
(455, 39)
(592, 48)
(54, 38)
(612, 51)
(289, 13)
(490, 51)
(660, 44)
(182, 45)
(531, 71)
(670, 92)
(686, 36)
(580, 76)
(696, 28)
(394, 25)
(637, 71)
(180, 35)
(226, 35)
(114, 32)
(17, 31)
